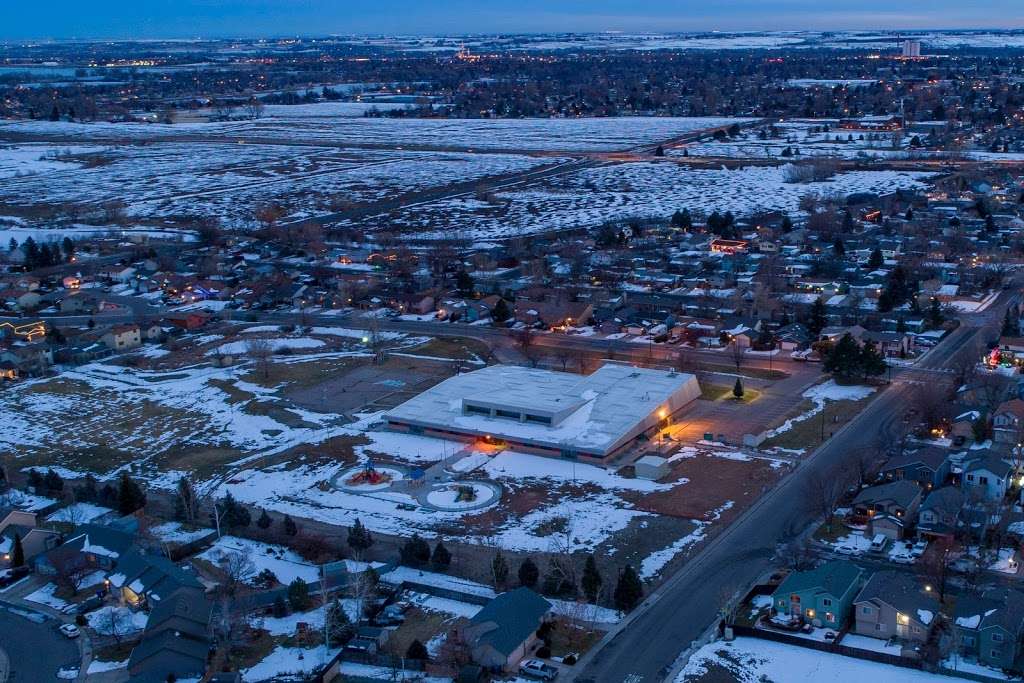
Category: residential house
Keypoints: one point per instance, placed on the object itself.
(892, 604)
(1006, 422)
(79, 302)
(191, 320)
(986, 476)
(177, 639)
(88, 547)
(940, 512)
(148, 579)
(505, 630)
(123, 337)
(990, 627)
(888, 508)
(553, 313)
(30, 360)
(24, 525)
(821, 596)
(928, 467)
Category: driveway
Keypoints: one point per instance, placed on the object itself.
(34, 648)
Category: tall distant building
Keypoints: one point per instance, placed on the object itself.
(911, 49)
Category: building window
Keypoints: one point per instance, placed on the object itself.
(970, 477)
(995, 654)
(983, 481)
(826, 602)
(477, 410)
(997, 637)
(879, 626)
(539, 419)
(915, 629)
(865, 610)
(507, 413)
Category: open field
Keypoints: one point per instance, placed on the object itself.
(305, 126)
(637, 190)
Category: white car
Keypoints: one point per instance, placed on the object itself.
(846, 550)
(70, 631)
(538, 669)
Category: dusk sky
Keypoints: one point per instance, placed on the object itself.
(210, 18)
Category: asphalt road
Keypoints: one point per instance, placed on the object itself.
(36, 651)
(648, 644)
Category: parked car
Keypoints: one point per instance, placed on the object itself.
(69, 631)
(9, 576)
(879, 542)
(918, 549)
(538, 669)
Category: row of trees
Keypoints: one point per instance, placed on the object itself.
(49, 254)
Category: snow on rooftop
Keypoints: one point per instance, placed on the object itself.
(594, 413)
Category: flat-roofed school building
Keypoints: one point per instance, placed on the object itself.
(560, 414)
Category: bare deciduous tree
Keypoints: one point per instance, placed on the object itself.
(261, 352)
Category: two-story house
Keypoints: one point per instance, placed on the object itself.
(822, 596)
(888, 508)
(990, 627)
(1007, 421)
(123, 337)
(940, 512)
(892, 605)
(986, 476)
(928, 467)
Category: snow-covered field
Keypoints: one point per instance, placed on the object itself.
(819, 394)
(617, 192)
(750, 660)
(575, 134)
(286, 564)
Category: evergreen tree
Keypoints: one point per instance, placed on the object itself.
(628, 591)
(591, 580)
(338, 625)
(1011, 325)
(129, 495)
(441, 558)
(499, 569)
(980, 428)
(264, 521)
(290, 527)
(18, 553)
(417, 651)
(13, 244)
(464, 283)
(359, 538)
(55, 113)
(232, 514)
(737, 389)
(88, 491)
(53, 482)
(280, 607)
(875, 260)
(528, 573)
(838, 248)
(500, 313)
(872, 364)
(298, 595)
(935, 316)
(817, 319)
(659, 151)
(844, 359)
(35, 480)
(68, 247)
(909, 215)
(415, 552)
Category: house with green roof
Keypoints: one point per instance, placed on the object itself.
(505, 630)
(822, 596)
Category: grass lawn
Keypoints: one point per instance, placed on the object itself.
(826, 535)
(568, 637)
(720, 392)
(808, 433)
(759, 373)
(456, 348)
(418, 625)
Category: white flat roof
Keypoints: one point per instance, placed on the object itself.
(600, 411)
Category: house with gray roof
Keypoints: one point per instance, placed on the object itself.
(887, 509)
(990, 627)
(940, 513)
(928, 467)
(148, 579)
(89, 546)
(893, 605)
(505, 630)
(177, 639)
(986, 476)
(822, 596)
